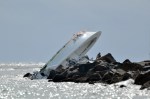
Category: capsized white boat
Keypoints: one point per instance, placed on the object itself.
(75, 48)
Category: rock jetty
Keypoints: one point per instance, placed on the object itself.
(104, 69)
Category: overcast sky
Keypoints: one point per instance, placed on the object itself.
(34, 30)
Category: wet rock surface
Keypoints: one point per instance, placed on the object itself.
(104, 69)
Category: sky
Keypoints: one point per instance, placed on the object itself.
(34, 30)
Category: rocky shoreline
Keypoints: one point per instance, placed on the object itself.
(104, 69)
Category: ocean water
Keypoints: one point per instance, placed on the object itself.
(14, 86)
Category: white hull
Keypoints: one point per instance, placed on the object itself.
(75, 48)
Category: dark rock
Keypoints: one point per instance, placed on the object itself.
(130, 66)
(134, 74)
(94, 77)
(60, 69)
(122, 86)
(147, 64)
(144, 63)
(147, 61)
(74, 77)
(72, 73)
(100, 68)
(52, 74)
(146, 68)
(65, 73)
(102, 63)
(90, 72)
(83, 68)
(73, 68)
(120, 71)
(81, 80)
(117, 63)
(126, 76)
(142, 78)
(50, 80)
(58, 78)
(102, 73)
(91, 82)
(98, 56)
(107, 78)
(116, 78)
(145, 85)
(27, 75)
(115, 75)
(127, 61)
(108, 58)
(120, 75)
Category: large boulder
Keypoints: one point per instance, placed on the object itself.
(81, 79)
(60, 69)
(100, 68)
(146, 68)
(145, 85)
(127, 66)
(142, 78)
(94, 77)
(115, 75)
(70, 74)
(52, 74)
(84, 68)
(144, 63)
(107, 78)
(58, 78)
(127, 61)
(108, 58)
(126, 76)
